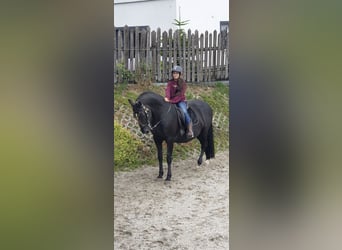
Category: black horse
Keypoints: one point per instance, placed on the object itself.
(162, 119)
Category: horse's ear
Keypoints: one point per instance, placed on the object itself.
(131, 102)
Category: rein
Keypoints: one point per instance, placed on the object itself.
(155, 125)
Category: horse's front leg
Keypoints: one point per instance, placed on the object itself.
(169, 159)
(160, 157)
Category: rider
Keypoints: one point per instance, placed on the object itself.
(175, 93)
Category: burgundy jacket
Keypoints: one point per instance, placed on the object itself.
(174, 93)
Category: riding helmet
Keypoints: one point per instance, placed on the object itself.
(177, 69)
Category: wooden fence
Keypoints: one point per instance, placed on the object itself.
(142, 54)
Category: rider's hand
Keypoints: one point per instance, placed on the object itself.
(166, 99)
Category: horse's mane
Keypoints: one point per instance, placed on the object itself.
(149, 95)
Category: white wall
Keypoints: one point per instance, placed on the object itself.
(156, 14)
(203, 14)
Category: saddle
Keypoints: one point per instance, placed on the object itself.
(181, 119)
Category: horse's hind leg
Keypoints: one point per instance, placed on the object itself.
(203, 142)
(169, 160)
(160, 157)
(200, 158)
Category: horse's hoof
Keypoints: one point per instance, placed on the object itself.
(160, 176)
(199, 162)
(168, 178)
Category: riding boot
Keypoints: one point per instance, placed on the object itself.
(190, 132)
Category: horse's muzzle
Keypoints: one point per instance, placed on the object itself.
(145, 130)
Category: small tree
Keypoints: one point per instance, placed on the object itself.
(181, 33)
(180, 24)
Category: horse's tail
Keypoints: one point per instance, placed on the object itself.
(210, 150)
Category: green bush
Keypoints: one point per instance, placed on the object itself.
(125, 74)
(126, 149)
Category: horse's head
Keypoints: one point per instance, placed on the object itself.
(143, 115)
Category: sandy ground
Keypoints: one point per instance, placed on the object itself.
(188, 212)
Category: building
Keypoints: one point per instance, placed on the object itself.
(202, 15)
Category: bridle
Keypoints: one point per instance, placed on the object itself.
(147, 113)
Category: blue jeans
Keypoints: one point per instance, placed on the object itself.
(182, 106)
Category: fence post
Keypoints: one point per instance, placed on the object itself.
(200, 73)
(184, 37)
(222, 48)
(131, 50)
(197, 54)
(158, 56)
(154, 55)
(148, 49)
(206, 57)
(120, 55)
(193, 62)
(179, 49)
(214, 76)
(210, 57)
(227, 57)
(115, 56)
(136, 48)
(218, 61)
(126, 46)
(170, 55)
(188, 63)
(174, 45)
(142, 50)
(164, 55)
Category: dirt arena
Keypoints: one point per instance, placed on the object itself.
(189, 212)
